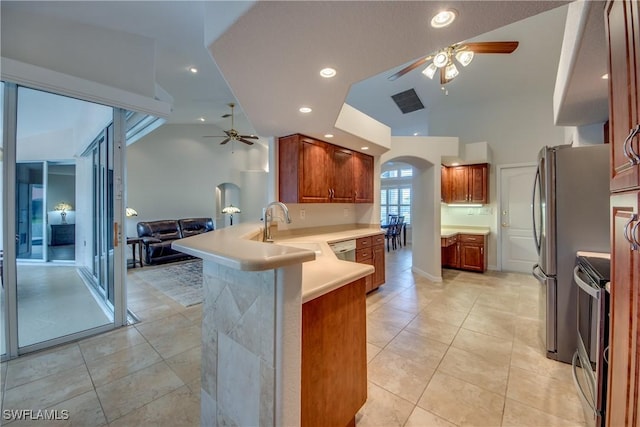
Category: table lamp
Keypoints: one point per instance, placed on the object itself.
(63, 207)
(230, 210)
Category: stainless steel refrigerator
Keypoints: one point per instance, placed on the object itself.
(570, 213)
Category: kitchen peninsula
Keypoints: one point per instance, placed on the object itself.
(283, 328)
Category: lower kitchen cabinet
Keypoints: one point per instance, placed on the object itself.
(370, 250)
(334, 357)
(465, 252)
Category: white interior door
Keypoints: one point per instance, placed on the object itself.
(518, 248)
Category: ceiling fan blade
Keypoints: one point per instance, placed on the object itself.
(491, 47)
(409, 68)
(225, 141)
(245, 141)
(249, 137)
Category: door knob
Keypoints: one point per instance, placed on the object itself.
(504, 224)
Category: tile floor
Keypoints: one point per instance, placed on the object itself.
(464, 352)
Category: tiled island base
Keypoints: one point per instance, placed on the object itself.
(250, 346)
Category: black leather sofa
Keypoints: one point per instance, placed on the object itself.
(157, 237)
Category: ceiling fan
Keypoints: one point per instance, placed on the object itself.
(232, 134)
(462, 52)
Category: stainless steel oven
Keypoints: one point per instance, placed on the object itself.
(590, 365)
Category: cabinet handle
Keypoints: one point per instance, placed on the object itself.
(634, 232)
(482, 251)
(627, 147)
(634, 243)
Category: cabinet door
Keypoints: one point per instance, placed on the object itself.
(342, 179)
(451, 256)
(379, 265)
(363, 178)
(445, 185)
(314, 173)
(623, 93)
(471, 257)
(624, 357)
(459, 184)
(478, 184)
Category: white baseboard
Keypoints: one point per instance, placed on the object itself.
(426, 275)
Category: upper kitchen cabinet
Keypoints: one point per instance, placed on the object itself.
(363, 177)
(314, 171)
(623, 37)
(465, 184)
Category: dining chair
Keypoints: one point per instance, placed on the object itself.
(390, 231)
(397, 235)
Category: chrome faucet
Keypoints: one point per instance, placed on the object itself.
(267, 216)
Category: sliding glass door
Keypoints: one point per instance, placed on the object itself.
(65, 275)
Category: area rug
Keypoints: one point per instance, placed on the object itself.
(180, 281)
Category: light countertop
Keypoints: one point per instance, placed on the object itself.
(322, 271)
(452, 230)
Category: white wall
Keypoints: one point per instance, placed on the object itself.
(173, 173)
(585, 135)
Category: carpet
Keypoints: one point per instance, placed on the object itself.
(180, 281)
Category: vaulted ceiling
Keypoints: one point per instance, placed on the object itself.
(267, 56)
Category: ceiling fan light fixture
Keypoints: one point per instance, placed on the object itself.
(430, 71)
(451, 71)
(464, 57)
(444, 18)
(441, 59)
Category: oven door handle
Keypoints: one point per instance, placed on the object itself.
(584, 285)
(583, 396)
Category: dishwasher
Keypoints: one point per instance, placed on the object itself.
(345, 250)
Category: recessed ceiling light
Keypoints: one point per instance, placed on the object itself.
(201, 119)
(328, 135)
(328, 72)
(305, 110)
(364, 148)
(194, 70)
(416, 133)
(605, 76)
(444, 18)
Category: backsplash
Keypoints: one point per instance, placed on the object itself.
(479, 216)
(310, 215)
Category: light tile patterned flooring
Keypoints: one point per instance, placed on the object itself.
(464, 352)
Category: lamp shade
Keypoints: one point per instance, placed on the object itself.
(430, 71)
(63, 207)
(131, 212)
(231, 210)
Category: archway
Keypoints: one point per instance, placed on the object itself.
(227, 194)
(424, 154)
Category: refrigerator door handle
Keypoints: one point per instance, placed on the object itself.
(540, 276)
(533, 210)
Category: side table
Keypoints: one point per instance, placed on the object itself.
(135, 241)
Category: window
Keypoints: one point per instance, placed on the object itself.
(395, 193)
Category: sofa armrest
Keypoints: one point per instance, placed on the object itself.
(147, 240)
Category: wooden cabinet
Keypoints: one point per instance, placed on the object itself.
(370, 250)
(465, 252)
(445, 187)
(450, 252)
(363, 178)
(314, 171)
(624, 353)
(473, 252)
(465, 184)
(624, 98)
(334, 357)
(623, 38)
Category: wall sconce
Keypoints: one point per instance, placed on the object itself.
(131, 212)
(63, 207)
(230, 210)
